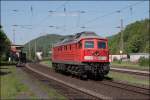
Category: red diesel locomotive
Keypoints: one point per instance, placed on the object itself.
(85, 54)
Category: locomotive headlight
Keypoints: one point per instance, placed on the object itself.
(102, 57)
(88, 57)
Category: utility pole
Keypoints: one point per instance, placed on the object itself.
(35, 49)
(122, 44)
(14, 31)
(14, 35)
(15, 10)
(31, 9)
(121, 39)
(29, 46)
(65, 19)
(121, 35)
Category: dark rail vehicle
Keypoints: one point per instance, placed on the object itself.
(84, 54)
(21, 59)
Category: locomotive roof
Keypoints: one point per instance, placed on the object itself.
(77, 37)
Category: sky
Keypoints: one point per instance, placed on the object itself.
(23, 21)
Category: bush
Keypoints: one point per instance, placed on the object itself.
(6, 63)
(115, 59)
(143, 61)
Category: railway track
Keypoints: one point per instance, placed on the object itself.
(70, 91)
(94, 89)
(127, 87)
(130, 71)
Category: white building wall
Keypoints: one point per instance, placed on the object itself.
(136, 57)
(111, 57)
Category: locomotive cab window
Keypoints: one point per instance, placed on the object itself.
(89, 44)
(101, 45)
(80, 45)
(70, 47)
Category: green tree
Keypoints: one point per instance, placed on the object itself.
(4, 43)
(136, 38)
(135, 44)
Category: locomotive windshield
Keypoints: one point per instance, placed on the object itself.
(89, 44)
(101, 45)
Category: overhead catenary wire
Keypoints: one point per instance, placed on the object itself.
(65, 19)
(48, 16)
(89, 21)
(107, 14)
(31, 9)
(113, 12)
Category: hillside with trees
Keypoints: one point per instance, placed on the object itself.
(43, 43)
(136, 38)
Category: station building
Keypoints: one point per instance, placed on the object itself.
(14, 51)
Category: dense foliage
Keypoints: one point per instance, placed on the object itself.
(4, 44)
(136, 38)
(144, 61)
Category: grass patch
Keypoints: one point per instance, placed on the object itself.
(52, 93)
(47, 62)
(10, 84)
(129, 65)
(6, 63)
(12, 87)
(129, 78)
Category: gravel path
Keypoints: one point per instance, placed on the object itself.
(33, 85)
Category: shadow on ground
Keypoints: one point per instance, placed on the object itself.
(108, 78)
(4, 73)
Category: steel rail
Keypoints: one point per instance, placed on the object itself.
(127, 87)
(83, 90)
(115, 84)
(131, 71)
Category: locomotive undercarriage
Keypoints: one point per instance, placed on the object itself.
(88, 70)
(97, 70)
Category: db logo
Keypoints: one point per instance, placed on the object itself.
(96, 53)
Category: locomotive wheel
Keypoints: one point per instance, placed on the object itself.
(100, 77)
(106, 72)
(56, 68)
(67, 71)
(83, 77)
